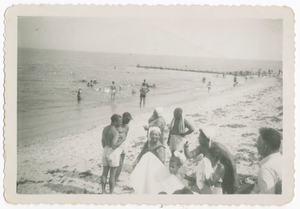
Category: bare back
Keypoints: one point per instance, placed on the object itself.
(110, 136)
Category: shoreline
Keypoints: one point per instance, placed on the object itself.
(72, 164)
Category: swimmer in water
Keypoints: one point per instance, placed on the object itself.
(79, 94)
(209, 86)
(112, 90)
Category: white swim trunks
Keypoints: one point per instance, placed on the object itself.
(111, 157)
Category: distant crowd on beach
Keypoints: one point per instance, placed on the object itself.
(215, 173)
(145, 86)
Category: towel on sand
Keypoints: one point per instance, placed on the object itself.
(151, 176)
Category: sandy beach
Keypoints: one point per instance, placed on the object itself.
(72, 164)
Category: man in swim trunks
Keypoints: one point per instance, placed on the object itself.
(111, 152)
(178, 130)
(113, 90)
(123, 131)
(143, 90)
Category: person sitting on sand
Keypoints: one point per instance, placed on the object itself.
(143, 91)
(153, 145)
(208, 86)
(157, 120)
(79, 94)
(210, 173)
(175, 164)
(111, 152)
(206, 135)
(123, 131)
(270, 171)
(178, 131)
(113, 90)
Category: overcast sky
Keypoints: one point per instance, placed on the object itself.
(200, 37)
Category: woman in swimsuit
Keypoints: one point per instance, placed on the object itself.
(153, 145)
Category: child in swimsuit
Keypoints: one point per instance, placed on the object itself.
(174, 168)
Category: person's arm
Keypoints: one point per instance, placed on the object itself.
(147, 90)
(218, 174)
(143, 151)
(193, 153)
(161, 154)
(189, 127)
(190, 179)
(228, 157)
(103, 139)
(115, 139)
(152, 118)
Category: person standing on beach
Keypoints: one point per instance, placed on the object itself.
(208, 86)
(203, 79)
(279, 72)
(235, 81)
(111, 152)
(270, 171)
(178, 131)
(143, 91)
(206, 135)
(113, 90)
(258, 72)
(123, 131)
(146, 84)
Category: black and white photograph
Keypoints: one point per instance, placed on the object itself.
(158, 101)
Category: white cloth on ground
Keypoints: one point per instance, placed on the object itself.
(151, 176)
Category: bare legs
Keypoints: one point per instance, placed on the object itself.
(142, 99)
(119, 170)
(103, 178)
(112, 178)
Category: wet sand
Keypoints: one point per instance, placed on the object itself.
(72, 164)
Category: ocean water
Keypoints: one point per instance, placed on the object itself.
(48, 81)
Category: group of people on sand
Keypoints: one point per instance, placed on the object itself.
(215, 173)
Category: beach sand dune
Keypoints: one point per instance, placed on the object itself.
(72, 164)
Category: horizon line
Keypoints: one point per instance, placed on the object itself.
(147, 54)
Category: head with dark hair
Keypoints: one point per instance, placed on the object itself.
(174, 164)
(116, 120)
(162, 193)
(178, 113)
(214, 155)
(203, 139)
(268, 142)
(183, 191)
(113, 82)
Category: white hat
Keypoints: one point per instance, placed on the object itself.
(209, 132)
